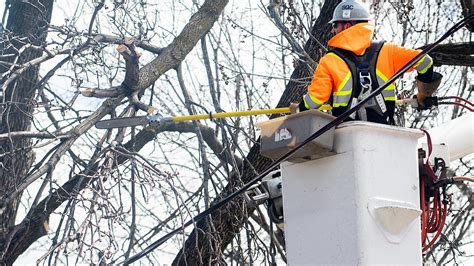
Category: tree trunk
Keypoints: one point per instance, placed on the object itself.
(27, 23)
(203, 247)
(467, 9)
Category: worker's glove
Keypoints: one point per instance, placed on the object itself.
(294, 108)
(427, 103)
(427, 86)
(297, 107)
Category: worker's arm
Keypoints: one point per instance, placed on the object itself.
(402, 55)
(427, 80)
(320, 89)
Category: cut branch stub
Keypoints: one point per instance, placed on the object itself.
(102, 93)
(131, 56)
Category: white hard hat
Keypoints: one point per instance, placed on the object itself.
(351, 10)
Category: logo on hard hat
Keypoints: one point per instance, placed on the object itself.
(346, 11)
(347, 7)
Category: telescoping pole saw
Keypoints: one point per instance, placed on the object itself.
(159, 119)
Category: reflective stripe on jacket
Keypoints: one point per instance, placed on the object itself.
(332, 76)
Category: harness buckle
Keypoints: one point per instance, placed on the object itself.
(365, 80)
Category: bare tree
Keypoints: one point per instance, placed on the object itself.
(20, 85)
(83, 195)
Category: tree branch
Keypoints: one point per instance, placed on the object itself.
(30, 134)
(455, 54)
(199, 24)
(229, 220)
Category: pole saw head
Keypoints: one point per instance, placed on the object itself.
(132, 121)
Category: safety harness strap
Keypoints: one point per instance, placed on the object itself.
(364, 78)
(361, 65)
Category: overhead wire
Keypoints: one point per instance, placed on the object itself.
(318, 133)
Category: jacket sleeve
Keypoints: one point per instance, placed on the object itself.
(402, 55)
(319, 91)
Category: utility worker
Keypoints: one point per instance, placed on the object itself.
(356, 65)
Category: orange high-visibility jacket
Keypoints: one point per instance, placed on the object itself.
(333, 75)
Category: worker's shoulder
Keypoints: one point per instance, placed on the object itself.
(392, 46)
(331, 57)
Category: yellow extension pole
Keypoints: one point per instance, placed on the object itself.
(283, 110)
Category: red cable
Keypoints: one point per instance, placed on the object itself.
(430, 213)
(433, 220)
(430, 218)
(430, 144)
(457, 98)
(438, 215)
(435, 238)
(425, 209)
(423, 213)
(458, 104)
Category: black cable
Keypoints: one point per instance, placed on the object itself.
(318, 133)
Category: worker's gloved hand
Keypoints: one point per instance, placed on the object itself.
(427, 102)
(294, 108)
(298, 107)
(427, 85)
